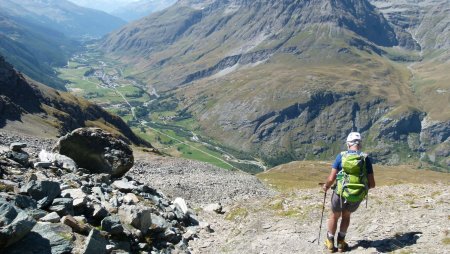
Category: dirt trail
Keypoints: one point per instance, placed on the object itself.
(400, 219)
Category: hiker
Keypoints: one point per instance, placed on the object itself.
(354, 173)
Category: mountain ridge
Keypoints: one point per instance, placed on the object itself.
(286, 80)
(63, 16)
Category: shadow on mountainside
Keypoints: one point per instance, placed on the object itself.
(396, 242)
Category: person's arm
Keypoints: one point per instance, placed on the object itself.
(330, 179)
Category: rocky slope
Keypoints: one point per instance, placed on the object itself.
(49, 205)
(288, 80)
(48, 202)
(30, 107)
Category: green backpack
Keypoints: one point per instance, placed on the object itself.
(352, 182)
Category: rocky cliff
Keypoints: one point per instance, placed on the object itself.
(31, 106)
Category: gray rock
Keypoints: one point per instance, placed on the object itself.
(8, 186)
(217, 208)
(73, 193)
(17, 146)
(181, 204)
(137, 216)
(95, 243)
(14, 224)
(130, 199)
(99, 193)
(111, 224)
(143, 246)
(52, 217)
(37, 213)
(190, 234)
(170, 235)
(205, 226)
(60, 160)
(25, 202)
(77, 226)
(159, 224)
(96, 150)
(63, 206)
(42, 191)
(123, 186)
(54, 238)
(193, 220)
(79, 198)
(99, 212)
(42, 164)
(79, 204)
(102, 178)
(20, 157)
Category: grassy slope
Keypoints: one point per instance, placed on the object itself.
(431, 84)
(307, 174)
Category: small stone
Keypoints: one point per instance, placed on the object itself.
(205, 226)
(123, 186)
(99, 212)
(266, 226)
(190, 234)
(217, 208)
(20, 157)
(76, 226)
(63, 206)
(130, 199)
(111, 224)
(52, 217)
(138, 217)
(42, 164)
(17, 146)
(181, 204)
(143, 246)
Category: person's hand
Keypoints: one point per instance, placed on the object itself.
(325, 187)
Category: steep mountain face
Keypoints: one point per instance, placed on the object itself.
(140, 9)
(289, 79)
(34, 50)
(34, 108)
(63, 16)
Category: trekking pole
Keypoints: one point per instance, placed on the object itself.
(321, 217)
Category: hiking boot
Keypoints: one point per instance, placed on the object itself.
(342, 245)
(329, 243)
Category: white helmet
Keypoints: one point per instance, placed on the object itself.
(354, 137)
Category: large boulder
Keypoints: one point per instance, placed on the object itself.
(96, 150)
